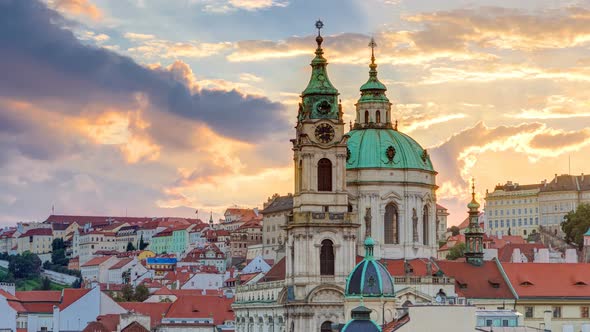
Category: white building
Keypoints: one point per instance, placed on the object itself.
(513, 209)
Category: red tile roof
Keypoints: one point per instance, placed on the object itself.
(163, 291)
(121, 263)
(95, 220)
(277, 271)
(202, 306)
(528, 249)
(549, 280)
(71, 295)
(396, 267)
(39, 296)
(134, 327)
(477, 282)
(96, 261)
(497, 243)
(109, 321)
(96, 327)
(38, 232)
(155, 310)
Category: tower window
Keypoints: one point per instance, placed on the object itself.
(326, 326)
(425, 223)
(324, 175)
(327, 258)
(366, 117)
(391, 224)
(378, 116)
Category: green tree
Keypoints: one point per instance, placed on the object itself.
(457, 251)
(130, 246)
(45, 283)
(576, 223)
(57, 244)
(58, 257)
(455, 230)
(142, 244)
(141, 293)
(25, 265)
(127, 293)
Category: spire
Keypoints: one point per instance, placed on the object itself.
(373, 83)
(373, 65)
(319, 82)
(474, 232)
(319, 85)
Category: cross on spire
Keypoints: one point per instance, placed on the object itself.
(319, 25)
(473, 187)
(372, 45)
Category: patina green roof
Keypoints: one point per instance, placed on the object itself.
(370, 148)
(587, 233)
(373, 90)
(319, 83)
(369, 278)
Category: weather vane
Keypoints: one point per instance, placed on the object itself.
(319, 25)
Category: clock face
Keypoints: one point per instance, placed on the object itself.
(324, 133)
(324, 107)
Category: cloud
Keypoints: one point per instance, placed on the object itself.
(158, 48)
(556, 107)
(226, 6)
(78, 7)
(138, 36)
(48, 64)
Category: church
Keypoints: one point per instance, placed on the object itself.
(372, 188)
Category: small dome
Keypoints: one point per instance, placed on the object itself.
(385, 148)
(361, 321)
(369, 279)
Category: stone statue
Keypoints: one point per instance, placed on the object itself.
(415, 225)
(368, 219)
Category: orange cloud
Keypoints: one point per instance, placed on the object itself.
(79, 7)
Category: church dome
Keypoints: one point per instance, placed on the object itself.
(361, 321)
(369, 278)
(385, 148)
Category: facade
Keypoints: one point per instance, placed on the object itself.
(275, 215)
(248, 234)
(560, 196)
(513, 209)
(35, 240)
(441, 222)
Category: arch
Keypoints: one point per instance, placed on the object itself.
(366, 117)
(324, 175)
(327, 258)
(391, 224)
(378, 116)
(326, 326)
(425, 224)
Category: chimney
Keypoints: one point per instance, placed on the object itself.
(555, 177)
(55, 318)
(582, 177)
(516, 257)
(547, 315)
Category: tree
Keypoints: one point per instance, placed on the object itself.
(25, 265)
(127, 293)
(130, 246)
(455, 230)
(456, 252)
(58, 257)
(141, 293)
(57, 244)
(142, 244)
(576, 223)
(45, 283)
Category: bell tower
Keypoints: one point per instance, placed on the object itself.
(321, 233)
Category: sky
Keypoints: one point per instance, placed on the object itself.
(162, 108)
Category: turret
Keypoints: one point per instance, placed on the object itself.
(474, 233)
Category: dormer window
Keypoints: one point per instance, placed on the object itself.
(526, 283)
(580, 283)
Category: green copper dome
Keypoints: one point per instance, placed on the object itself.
(385, 148)
(369, 278)
(361, 321)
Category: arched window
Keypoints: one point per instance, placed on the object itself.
(300, 175)
(391, 224)
(378, 116)
(324, 175)
(327, 258)
(326, 326)
(366, 117)
(425, 224)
